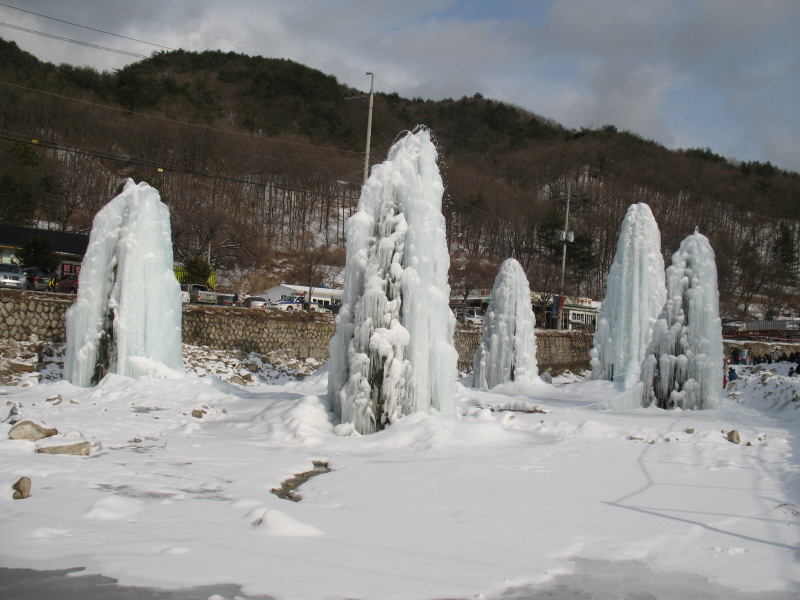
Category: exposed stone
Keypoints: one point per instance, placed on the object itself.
(689, 430)
(733, 436)
(198, 413)
(22, 489)
(82, 448)
(237, 380)
(29, 430)
(18, 367)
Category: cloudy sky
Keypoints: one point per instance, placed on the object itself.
(723, 74)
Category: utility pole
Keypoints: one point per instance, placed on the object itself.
(565, 237)
(369, 128)
(566, 233)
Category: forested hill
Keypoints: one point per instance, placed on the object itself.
(258, 156)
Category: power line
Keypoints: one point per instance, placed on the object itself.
(30, 12)
(63, 39)
(229, 151)
(18, 137)
(160, 118)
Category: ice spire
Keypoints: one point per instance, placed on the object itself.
(683, 366)
(393, 350)
(507, 351)
(635, 295)
(129, 302)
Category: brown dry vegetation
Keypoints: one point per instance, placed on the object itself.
(258, 157)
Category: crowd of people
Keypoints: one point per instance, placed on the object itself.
(742, 356)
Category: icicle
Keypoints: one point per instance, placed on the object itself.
(635, 295)
(393, 350)
(129, 302)
(683, 367)
(507, 351)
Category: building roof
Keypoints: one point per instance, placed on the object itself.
(71, 244)
(320, 289)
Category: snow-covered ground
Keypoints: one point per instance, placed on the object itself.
(550, 499)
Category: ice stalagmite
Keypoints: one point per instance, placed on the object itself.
(128, 311)
(683, 366)
(507, 351)
(393, 352)
(635, 295)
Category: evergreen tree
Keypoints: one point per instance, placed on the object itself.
(197, 271)
(38, 252)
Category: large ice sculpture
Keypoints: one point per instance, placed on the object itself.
(507, 351)
(129, 302)
(683, 366)
(393, 352)
(635, 295)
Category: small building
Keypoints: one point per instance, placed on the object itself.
(576, 312)
(69, 247)
(324, 296)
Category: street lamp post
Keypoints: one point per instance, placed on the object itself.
(369, 123)
(369, 128)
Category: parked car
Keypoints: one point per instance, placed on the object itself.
(37, 278)
(290, 303)
(256, 302)
(68, 284)
(227, 300)
(298, 303)
(185, 293)
(11, 276)
(474, 316)
(202, 294)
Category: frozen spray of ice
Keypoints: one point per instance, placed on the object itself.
(683, 366)
(507, 351)
(635, 295)
(129, 302)
(393, 352)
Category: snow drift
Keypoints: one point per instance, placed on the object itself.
(393, 352)
(129, 302)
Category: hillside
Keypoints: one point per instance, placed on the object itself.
(258, 157)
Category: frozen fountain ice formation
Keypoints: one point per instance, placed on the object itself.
(393, 352)
(683, 366)
(635, 295)
(129, 302)
(507, 351)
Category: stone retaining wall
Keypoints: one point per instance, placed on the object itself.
(23, 314)
(556, 351)
(305, 335)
